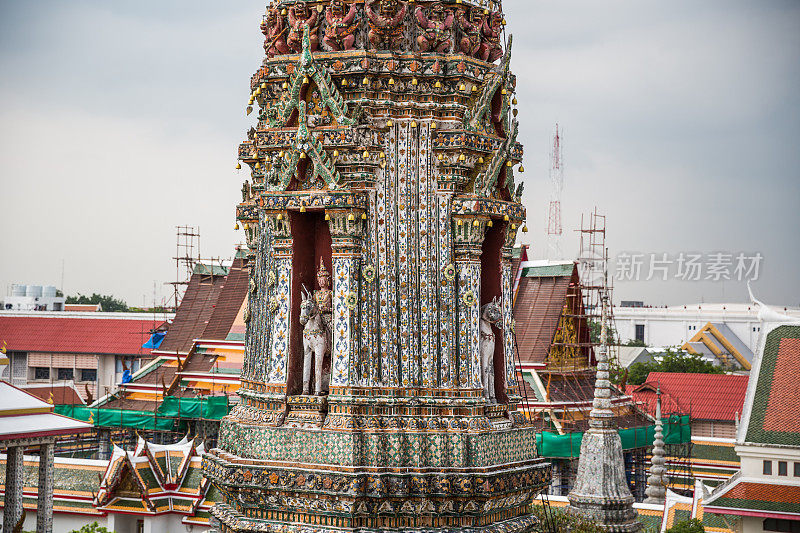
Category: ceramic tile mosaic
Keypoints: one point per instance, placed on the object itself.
(399, 154)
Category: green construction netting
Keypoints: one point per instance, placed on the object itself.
(676, 431)
(205, 407)
(165, 418)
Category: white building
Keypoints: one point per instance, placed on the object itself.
(90, 351)
(33, 298)
(660, 327)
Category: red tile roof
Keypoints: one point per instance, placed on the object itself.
(75, 335)
(703, 396)
(195, 310)
(543, 294)
(767, 492)
(783, 408)
(61, 394)
(83, 308)
(767, 499)
(776, 405)
(537, 311)
(229, 301)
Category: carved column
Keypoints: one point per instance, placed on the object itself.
(44, 502)
(468, 233)
(278, 296)
(346, 228)
(507, 288)
(12, 504)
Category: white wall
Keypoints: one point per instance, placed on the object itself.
(166, 523)
(669, 326)
(753, 458)
(752, 525)
(62, 522)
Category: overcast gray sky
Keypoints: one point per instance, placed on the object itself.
(120, 120)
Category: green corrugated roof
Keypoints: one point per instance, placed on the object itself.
(528, 377)
(717, 453)
(192, 478)
(548, 271)
(653, 522)
(208, 270)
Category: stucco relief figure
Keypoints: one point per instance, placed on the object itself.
(316, 312)
(491, 49)
(385, 23)
(470, 22)
(274, 29)
(490, 316)
(300, 16)
(341, 28)
(437, 29)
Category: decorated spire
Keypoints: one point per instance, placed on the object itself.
(656, 491)
(601, 491)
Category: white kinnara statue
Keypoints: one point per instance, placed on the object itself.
(315, 317)
(490, 315)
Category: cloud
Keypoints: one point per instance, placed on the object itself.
(121, 121)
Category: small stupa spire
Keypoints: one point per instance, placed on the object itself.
(656, 491)
(601, 492)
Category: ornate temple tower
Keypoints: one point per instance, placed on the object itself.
(385, 398)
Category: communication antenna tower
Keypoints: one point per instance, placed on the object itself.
(554, 228)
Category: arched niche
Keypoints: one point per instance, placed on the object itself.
(311, 243)
(492, 287)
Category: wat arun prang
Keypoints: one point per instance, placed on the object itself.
(379, 390)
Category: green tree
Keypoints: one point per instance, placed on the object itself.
(94, 527)
(687, 526)
(560, 521)
(594, 332)
(109, 303)
(672, 360)
(635, 342)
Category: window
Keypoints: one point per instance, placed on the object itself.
(775, 524)
(782, 470)
(88, 374)
(64, 373)
(797, 470)
(639, 332)
(767, 468)
(41, 372)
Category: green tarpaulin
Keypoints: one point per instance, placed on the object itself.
(206, 407)
(676, 431)
(165, 418)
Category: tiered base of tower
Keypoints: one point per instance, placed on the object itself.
(425, 468)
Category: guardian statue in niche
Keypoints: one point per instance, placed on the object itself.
(316, 312)
(490, 316)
